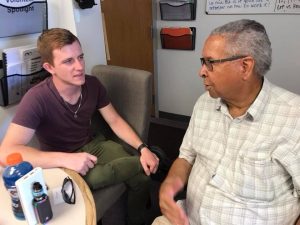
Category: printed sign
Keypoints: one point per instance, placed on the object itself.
(252, 6)
(22, 17)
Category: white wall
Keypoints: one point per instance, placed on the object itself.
(90, 32)
(177, 71)
(86, 24)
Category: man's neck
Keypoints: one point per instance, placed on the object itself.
(69, 93)
(240, 106)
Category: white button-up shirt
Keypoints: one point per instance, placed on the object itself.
(246, 170)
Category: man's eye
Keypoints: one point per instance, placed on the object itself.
(206, 61)
(68, 61)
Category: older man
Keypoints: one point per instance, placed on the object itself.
(240, 156)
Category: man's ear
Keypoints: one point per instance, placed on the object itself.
(247, 67)
(47, 66)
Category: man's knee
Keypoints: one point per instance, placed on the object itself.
(117, 171)
(115, 150)
(100, 176)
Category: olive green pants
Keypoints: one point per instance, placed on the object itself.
(114, 166)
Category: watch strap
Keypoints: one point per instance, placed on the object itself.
(141, 146)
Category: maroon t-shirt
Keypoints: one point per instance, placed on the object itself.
(43, 109)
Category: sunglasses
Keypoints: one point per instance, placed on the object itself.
(68, 191)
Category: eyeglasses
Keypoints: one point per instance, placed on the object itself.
(209, 62)
(68, 191)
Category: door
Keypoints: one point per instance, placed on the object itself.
(128, 32)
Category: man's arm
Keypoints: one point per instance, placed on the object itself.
(298, 221)
(175, 181)
(122, 129)
(16, 139)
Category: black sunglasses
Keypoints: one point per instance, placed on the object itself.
(68, 191)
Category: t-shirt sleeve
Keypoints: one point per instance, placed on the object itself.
(29, 111)
(102, 96)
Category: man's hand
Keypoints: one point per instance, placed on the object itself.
(149, 161)
(173, 212)
(80, 162)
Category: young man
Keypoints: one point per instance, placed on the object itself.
(240, 156)
(59, 111)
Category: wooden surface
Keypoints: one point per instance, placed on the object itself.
(87, 196)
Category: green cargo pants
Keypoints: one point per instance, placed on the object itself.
(114, 166)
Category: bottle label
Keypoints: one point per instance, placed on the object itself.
(13, 192)
(16, 204)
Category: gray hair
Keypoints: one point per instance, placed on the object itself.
(247, 37)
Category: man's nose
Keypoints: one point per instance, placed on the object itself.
(79, 64)
(203, 72)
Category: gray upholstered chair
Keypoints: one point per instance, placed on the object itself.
(130, 93)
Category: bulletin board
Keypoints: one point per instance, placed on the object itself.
(252, 6)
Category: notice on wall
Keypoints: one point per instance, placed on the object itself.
(252, 6)
(19, 17)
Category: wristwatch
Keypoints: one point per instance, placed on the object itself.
(141, 146)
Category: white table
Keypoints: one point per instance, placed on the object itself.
(83, 212)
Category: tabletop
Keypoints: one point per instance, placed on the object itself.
(83, 212)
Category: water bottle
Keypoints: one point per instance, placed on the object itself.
(16, 168)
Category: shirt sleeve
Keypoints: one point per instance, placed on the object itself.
(102, 96)
(292, 165)
(29, 111)
(187, 151)
(289, 158)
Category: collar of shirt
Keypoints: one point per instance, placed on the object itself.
(257, 107)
